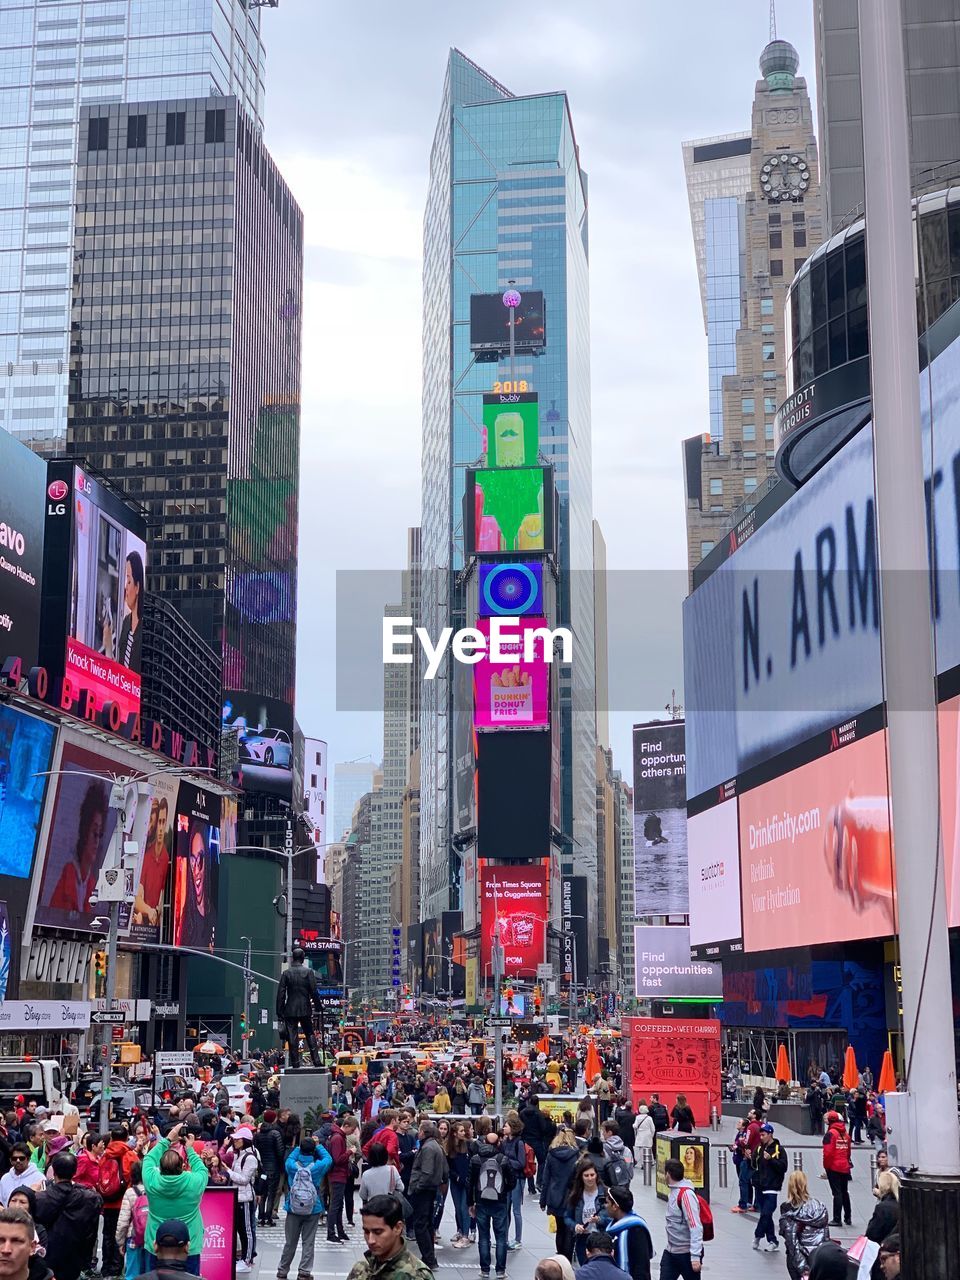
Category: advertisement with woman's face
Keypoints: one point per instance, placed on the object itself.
(196, 868)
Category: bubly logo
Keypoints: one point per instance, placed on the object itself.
(713, 872)
(57, 490)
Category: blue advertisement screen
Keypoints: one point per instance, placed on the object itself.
(510, 589)
(26, 745)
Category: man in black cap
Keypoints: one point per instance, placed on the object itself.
(173, 1247)
(296, 1000)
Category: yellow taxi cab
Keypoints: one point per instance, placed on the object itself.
(349, 1064)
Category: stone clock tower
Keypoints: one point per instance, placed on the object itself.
(781, 222)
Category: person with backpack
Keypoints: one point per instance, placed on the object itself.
(586, 1205)
(429, 1174)
(658, 1114)
(243, 1173)
(306, 1167)
(515, 1149)
(488, 1196)
(838, 1167)
(113, 1181)
(769, 1171)
(681, 1259)
(633, 1243)
(132, 1223)
(617, 1169)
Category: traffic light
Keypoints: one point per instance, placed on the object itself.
(537, 999)
(100, 963)
(243, 1027)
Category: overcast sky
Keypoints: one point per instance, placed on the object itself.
(352, 99)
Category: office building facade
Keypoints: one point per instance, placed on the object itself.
(506, 204)
(351, 780)
(181, 675)
(61, 56)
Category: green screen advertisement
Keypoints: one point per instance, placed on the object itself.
(509, 509)
(511, 425)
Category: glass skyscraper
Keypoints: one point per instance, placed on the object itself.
(507, 202)
(57, 56)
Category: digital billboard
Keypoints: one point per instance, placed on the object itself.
(510, 589)
(660, 819)
(451, 924)
(490, 322)
(816, 856)
(511, 426)
(464, 749)
(573, 918)
(663, 969)
(513, 906)
(713, 858)
(196, 867)
(509, 510)
(431, 969)
(95, 563)
(264, 733)
(21, 549)
(26, 745)
(516, 692)
(81, 830)
(515, 765)
(152, 895)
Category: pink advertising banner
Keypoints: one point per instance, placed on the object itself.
(512, 691)
(217, 1208)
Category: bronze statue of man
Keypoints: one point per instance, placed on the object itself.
(296, 1000)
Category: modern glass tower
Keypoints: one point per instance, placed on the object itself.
(507, 202)
(57, 56)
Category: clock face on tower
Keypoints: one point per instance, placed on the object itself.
(784, 176)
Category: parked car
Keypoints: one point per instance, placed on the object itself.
(37, 1078)
(123, 1102)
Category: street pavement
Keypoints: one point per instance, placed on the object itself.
(729, 1257)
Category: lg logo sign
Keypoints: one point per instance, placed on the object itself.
(57, 491)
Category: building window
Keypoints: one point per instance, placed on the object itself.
(176, 128)
(706, 548)
(215, 126)
(799, 237)
(768, 431)
(776, 239)
(746, 404)
(769, 404)
(749, 484)
(766, 306)
(774, 217)
(769, 351)
(749, 431)
(769, 375)
(799, 217)
(716, 487)
(98, 133)
(776, 267)
(749, 454)
(767, 329)
(136, 131)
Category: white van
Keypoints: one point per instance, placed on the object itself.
(38, 1078)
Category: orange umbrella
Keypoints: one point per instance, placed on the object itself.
(592, 1067)
(851, 1075)
(888, 1077)
(783, 1071)
(543, 1044)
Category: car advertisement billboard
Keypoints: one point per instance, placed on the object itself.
(264, 733)
(514, 693)
(490, 322)
(21, 550)
(663, 969)
(26, 745)
(151, 904)
(95, 563)
(510, 589)
(509, 510)
(511, 428)
(196, 873)
(81, 832)
(713, 870)
(659, 819)
(513, 906)
(816, 857)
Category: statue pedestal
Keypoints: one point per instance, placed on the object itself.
(305, 1089)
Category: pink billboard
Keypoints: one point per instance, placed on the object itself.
(217, 1209)
(816, 854)
(512, 691)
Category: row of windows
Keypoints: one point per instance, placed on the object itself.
(716, 485)
(98, 130)
(747, 404)
(776, 266)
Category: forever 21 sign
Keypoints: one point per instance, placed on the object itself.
(58, 960)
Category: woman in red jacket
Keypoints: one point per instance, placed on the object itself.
(838, 1167)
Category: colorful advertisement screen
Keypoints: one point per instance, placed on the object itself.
(151, 904)
(816, 859)
(509, 510)
(263, 728)
(490, 322)
(713, 856)
(510, 589)
(21, 549)
(196, 868)
(452, 947)
(513, 906)
(513, 692)
(660, 819)
(95, 563)
(26, 745)
(82, 828)
(511, 427)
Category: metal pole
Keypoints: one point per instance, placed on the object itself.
(572, 1016)
(289, 907)
(906, 631)
(496, 955)
(106, 1035)
(247, 959)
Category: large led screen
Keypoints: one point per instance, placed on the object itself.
(514, 693)
(21, 549)
(713, 856)
(26, 745)
(95, 562)
(264, 733)
(511, 425)
(81, 833)
(782, 641)
(515, 765)
(816, 857)
(152, 894)
(490, 322)
(659, 819)
(196, 868)
(513, 906)
(510, 589)
(663, 969)
(509, 510)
